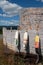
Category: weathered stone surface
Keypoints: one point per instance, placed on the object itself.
(31, 18)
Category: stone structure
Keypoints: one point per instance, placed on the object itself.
(31, 18)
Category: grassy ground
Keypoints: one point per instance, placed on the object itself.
(11, 59)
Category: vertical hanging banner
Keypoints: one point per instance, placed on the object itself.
(26, 42)
(37, 41)
(16, 39)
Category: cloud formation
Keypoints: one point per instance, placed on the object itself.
(40, 0)
(9, 8)
(13, 22)
(4, 15)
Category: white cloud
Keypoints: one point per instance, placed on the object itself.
(0, 14)
(40, 0)
(9, 8)
(4, 15)
(12, 22)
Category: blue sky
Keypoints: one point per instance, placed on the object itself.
(28, 3)
(9, 10)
